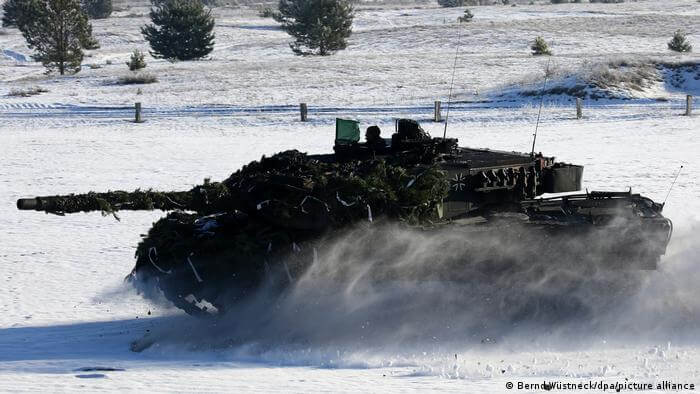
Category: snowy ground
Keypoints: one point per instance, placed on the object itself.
(395, 56)
(67, 319)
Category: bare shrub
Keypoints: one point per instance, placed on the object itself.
(634, 75)
(28, 92)
(137, 79)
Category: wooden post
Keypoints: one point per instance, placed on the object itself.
(137, 115)
(438, 115)
(688, 105)
(304, 110)
(579, 109)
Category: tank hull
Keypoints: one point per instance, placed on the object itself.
(203, 276)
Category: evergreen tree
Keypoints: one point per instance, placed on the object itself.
(467, 17)
(181, 29)
(540, 47)
(451, 3)
(88, 41)
(679, 43)
(16, 11)
(136, 62)
(319, 27)
(58, 32)
(267, 12)
(97, 9)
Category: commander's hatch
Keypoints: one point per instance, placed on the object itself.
(347, 132)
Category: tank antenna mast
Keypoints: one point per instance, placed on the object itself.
(671, 188)
(539, 112)
(454, 69)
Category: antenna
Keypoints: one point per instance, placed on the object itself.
(539, 112)
(671, 188)
(454, 69)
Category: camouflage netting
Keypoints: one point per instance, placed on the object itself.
(289, 189)
(196, 199)
(292, 190)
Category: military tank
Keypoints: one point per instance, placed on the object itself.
(268, 222)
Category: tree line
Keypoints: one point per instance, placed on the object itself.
(59, 30)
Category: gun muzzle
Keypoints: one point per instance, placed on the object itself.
(28, 204)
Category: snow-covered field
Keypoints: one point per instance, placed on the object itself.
(67, 319)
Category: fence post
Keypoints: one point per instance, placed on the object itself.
(688, 105)
(304, 110)
(137, 114)
(438, 115)
(579, 108)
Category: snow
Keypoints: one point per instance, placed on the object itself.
(15, 55)
(67, 319)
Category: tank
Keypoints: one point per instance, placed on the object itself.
(270, 220)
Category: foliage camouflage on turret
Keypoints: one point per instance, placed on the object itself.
(288, 186)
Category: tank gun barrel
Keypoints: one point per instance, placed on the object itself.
(196, 199)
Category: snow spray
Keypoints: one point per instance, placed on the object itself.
(382, 288)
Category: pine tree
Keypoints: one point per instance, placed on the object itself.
(181, 29)
(136, 62)
(450, 3)
(540, 47)
(319, 27)
(679, 43)
(89, 42)
(467, 17)
(17, 11)
(58, 33)
(97, 9)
